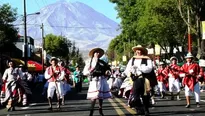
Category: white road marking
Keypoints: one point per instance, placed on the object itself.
(24, 108)
(27, 107)
(202, 100)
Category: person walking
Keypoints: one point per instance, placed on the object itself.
(190, 71)
(97, 69)
(55, 77)
(66, 85)
(78, 79)
(174, 84)
(10, 87)
(162, 77)
(137, 68)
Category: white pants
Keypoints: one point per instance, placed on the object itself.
(161, 86)
(174, 84)
(196, 91)
(52, 86)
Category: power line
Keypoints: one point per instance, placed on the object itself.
(67, 26)
(37, 4)
(44, 3)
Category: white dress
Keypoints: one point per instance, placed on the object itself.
(98, 86)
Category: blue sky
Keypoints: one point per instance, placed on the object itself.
(102, 6)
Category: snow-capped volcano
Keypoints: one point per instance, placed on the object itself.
(74, 20)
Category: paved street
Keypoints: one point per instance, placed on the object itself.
(77, 105)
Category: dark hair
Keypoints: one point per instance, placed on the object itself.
(8, 61)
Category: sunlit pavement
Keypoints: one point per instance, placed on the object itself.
(77, 105)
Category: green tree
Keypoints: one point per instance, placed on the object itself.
(161, 24)
(62, 47)
(147, 21)
(56, 45)
(8, 34)
(197, 11)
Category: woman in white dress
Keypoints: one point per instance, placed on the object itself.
(98, 87)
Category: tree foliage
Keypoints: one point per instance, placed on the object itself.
(161, 24)
(196, 10)
(8, 34)
(61, 47)
(147, 21)
(56, 45)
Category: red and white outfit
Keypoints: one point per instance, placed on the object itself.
(55, 82)
(9, 88)
(190, 72)
(174, 84)
(162, 74)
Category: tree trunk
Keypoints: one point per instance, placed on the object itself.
(200, 47)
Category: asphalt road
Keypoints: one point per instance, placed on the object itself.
(77, 105)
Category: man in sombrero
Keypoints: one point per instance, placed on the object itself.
(190, 72)
(98, 70)
(55, 77)
(137, 68)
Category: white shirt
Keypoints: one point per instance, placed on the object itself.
(138, 67)
(86, 70)
(10, 74)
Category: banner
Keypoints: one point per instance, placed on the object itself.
(203, 29)
(124, 58)
(157, 50)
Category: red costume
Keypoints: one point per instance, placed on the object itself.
(192, 72)
(162, 76)
(174, 70)
(56, 73)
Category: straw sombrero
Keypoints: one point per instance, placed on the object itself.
(189, 55)
(99, 50)
(173, 57)
(161, 63)
(139, 47)
(53, 58)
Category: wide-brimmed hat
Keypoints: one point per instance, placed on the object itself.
(21, 65)
(161, 63)
(173, 58)
(189, 55)
(53, 58)
(99, 50)
(139, 47)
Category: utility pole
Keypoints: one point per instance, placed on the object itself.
(25, 38)
(43, 42)
(189, 32)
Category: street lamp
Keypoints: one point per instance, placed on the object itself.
(25, 35)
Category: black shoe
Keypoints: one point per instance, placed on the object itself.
(197, 105)
(146, 114)
(187, 106)
(50, 108)
(91, 112)
(11, 109)
(101, 112)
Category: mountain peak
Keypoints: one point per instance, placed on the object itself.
(74, 20)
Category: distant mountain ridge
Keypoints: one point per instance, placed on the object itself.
(74, 20)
